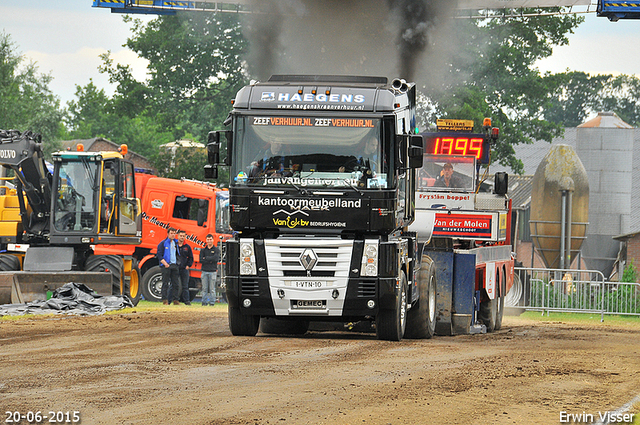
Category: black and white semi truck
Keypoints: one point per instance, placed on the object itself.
(322, 192)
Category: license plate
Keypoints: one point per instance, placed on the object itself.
(308, 284)
(308, 304)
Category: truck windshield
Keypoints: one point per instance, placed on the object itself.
(447, 173)
(74, 208)
(309, 151)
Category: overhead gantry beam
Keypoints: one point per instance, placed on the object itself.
(481, 9)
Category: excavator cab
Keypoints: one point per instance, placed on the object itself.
(89, 200)
(94, 199)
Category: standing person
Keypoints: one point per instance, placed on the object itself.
(168, 255)
(209, 258)
(185, 261)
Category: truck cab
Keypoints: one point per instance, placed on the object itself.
(199, 208)
(321, 190)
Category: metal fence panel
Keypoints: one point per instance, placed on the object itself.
(566, 290)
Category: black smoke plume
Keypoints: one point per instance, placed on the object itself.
(365, 37)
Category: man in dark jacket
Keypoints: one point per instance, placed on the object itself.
(168, 256)
(209, 258)
(186, 261)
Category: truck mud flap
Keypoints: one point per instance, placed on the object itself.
(455, 286)
(24, 287)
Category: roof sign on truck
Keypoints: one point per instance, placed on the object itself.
(454, 125)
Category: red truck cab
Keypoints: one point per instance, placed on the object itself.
(197, 207)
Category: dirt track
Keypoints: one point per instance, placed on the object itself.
(184, 367)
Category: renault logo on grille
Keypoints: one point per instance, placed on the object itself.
(308, 259)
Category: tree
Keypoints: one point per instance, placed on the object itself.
(577, 95)
(195, 69)
(492, 74)
(94, 114)
(26, 102)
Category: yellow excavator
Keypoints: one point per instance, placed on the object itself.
(59, 216)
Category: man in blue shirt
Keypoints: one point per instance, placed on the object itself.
(168, 256)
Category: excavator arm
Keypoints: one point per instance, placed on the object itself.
(22, 153)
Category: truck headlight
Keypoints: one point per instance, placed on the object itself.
(247, 258)
(370, 258)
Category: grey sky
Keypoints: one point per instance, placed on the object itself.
(65, 38)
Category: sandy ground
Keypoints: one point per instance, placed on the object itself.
(182, 366)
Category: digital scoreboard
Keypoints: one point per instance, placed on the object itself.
(456, 143)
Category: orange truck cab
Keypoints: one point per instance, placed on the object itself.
(197, 207)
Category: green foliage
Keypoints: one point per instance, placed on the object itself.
(577, 95)
(195, 69)
(493, 75)
(26, 102)
(630, 273)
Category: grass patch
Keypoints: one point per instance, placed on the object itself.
(580, 318)
(8, 318)
(143, 306)
(150, 306)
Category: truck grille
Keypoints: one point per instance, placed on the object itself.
(333, 257)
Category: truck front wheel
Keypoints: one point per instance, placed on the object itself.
(241, 324)
(421, 319)
(152, 284)
(391, 324)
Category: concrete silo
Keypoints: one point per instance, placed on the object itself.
(605, 146)
(559, 206)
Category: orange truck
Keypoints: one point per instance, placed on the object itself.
(197, 207)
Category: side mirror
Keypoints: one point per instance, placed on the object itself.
(213, 147)
(416, 151)
(228, 135)
(211, 171)
(501, 183)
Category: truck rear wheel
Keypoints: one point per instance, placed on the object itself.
(488, 313)
(271, 325)
(421, 319)
(194, 287)
(500, 303)
(391, 324)
(152, 284)
(241, 324)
